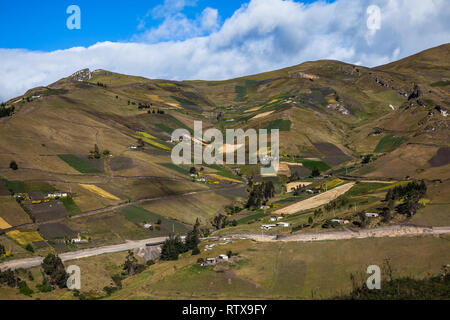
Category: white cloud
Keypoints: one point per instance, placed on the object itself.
(260, 36)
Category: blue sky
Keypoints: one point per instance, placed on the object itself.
(207, 39)
(41, 25)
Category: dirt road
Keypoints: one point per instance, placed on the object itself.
(384, 232)
(316, 201)
(36, 261)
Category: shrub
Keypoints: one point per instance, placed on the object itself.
(13, 165)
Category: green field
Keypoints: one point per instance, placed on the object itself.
(71, 206)
(311, 164)
(139, 215)
(251, 217)
(389, 143)
(280, 124)
(174, 167)
(27, 187)
(365, 187)
(78, 164)
(164, 128)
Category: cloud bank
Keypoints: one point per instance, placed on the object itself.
(260, 36)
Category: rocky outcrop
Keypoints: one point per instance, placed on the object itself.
(416, 93)
(82, 75)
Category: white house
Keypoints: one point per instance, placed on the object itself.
(147, 226)
(372, 215)
(223, 257)
(268, 226)
(283, 224)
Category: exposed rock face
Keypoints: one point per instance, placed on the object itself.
(416, 93)
(339, 108)
(82, 75)
(303, 75)
(149, 253)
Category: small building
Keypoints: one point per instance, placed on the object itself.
(372, 215)
(340, 221)
(147, 226)
(283, 224)
(211, 261)
(268, 226)
(223, 257)
(78, 240)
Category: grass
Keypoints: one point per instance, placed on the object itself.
(175, 168)
(441, 83)
(139, 215)
(311, 164)
(389, 143)
(364, 187)
(70, 206)
(27, 187)
(256, 216)
(165, 128)
(241, 93)
(280, 124)
(319, 270)
(78, 164)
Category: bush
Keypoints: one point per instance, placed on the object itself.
(13, 165)
(24, 289)
(44, 287)
(29, 248)
(196, 251)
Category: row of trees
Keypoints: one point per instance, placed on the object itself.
(409, 195)
(260, 194)
(174, 246)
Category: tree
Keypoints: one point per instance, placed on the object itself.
(192, 170)
(13, 165)
(140, 143)
(29, 247)
(315, 172)
(196, 251)
(310, 220)
(54, 268)
(171, 248)
(192, 239)
(131, 263)
(2, 250)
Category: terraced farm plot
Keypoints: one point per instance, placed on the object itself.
(12, 212)
(24, 238)
(47, 211)
(53, 231)
(174, 167)
(78, 164)
(220, 177)
(28, 187)
(139, 215)
(262, 115)
(332, 154)
(71, 206)
(316, 201)
(364, 187)
(389, 143)
(99, 191)
(280, 124)
(441, 158)
(153, 143)
(4, 224)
